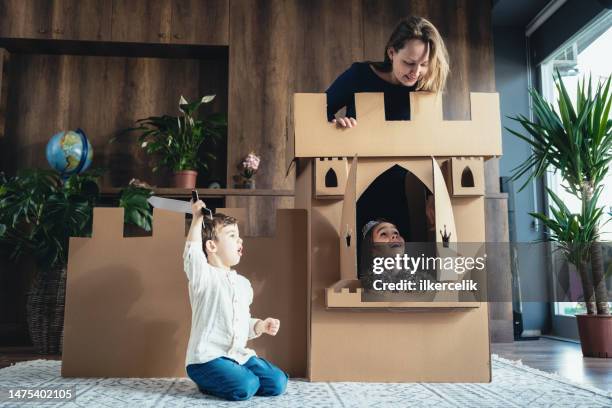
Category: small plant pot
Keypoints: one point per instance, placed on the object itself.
(246, 183)
(595, 335)
(185, 179)
(249, 184)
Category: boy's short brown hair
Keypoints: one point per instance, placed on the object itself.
(210, 227)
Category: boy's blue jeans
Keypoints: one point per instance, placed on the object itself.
(225, 378)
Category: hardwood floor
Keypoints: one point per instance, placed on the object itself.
(545, 354)
(563, 357)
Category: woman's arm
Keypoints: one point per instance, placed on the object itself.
(339, 95)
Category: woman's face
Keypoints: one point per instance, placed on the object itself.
(411, 62)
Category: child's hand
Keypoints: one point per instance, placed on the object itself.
(269, 326)
(196, 208)
(345, 122)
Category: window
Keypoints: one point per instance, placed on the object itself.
(589, 52)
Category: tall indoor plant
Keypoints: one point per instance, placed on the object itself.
(39, 212)
(575, 141)
(176, 140)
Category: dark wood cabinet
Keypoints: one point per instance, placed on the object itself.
(142, 21)
(26, 19)
(86, 20)
(196, 22)
(200, 22)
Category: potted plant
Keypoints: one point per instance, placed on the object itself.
(175, 140)
(39, 212)
(576, 141)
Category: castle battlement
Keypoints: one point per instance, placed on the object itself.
(425, 135)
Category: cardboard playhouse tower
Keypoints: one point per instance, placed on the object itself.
(391, 341)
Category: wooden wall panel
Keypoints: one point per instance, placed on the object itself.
(278, 48)
(87, 20)
(103, 95)
(200, 22)
(141, 20)
(4, 64)
(29, 19)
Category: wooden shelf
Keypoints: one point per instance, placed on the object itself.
(206, 192)
(346, 295)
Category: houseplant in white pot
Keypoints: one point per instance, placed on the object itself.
(176, 140)
(576, 141)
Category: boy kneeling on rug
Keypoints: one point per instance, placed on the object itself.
(218, 360)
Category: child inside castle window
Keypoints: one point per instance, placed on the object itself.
(218, 360)
(381, 239)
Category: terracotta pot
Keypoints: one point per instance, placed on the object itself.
(185, 179)
(595, 335)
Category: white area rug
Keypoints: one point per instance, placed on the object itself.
(513, 385)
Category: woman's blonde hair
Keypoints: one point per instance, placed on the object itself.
(422, 29)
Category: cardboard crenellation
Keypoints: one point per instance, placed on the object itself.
(426, 134)
(107, 222)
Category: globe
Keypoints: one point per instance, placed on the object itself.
(69, 152)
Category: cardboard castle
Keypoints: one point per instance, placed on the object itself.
(306, 275)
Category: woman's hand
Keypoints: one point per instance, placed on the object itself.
(269, 326)
(345, 122)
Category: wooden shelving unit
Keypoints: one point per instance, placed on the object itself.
(206, 192)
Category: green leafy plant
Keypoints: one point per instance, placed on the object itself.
(577, 143)
(575, 235)
(39, 212)
(175, 140)
(137, 209)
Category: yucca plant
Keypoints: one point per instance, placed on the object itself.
(577, 143)
(575, 235)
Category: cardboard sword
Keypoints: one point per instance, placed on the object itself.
(177, 205)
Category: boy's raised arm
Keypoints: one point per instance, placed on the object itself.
(195, 231)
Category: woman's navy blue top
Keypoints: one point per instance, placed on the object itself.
(360, 78)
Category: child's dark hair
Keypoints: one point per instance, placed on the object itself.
(210, 226)
(364, 256)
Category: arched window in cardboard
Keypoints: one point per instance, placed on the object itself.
(331, 180)
(330, 177)
(467, 178)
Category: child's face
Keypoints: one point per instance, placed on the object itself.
(386, 232)
(229, 245)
